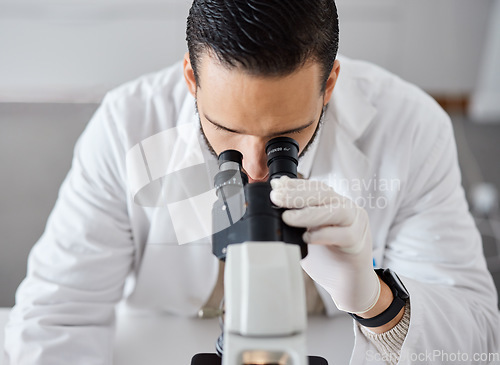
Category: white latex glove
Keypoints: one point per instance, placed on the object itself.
(338, 231)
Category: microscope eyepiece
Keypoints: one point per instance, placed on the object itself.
(230, 156)
(282, 157)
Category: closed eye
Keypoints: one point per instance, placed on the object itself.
(219, 127)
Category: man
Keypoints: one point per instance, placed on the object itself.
(380, 186)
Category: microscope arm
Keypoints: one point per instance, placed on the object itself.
(265, 308)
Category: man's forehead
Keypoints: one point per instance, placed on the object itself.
(209, 64)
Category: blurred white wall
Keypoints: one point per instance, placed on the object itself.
(435, 44)
(485, 106)
(73, 51)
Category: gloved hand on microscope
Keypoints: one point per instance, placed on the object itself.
(340, 244)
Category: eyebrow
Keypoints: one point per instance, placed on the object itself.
(288, 131)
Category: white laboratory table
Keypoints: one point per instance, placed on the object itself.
(144, 338)
(4, 312)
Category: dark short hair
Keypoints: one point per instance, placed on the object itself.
(264, 37)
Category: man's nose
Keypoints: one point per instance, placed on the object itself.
(254, 159)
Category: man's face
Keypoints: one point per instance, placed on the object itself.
(242, 112)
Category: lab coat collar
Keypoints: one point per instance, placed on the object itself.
(349, 113)
(352, 109)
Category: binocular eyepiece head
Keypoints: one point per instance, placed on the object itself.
(244, 212)
(282, 158)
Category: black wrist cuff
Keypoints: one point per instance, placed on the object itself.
(400, 296)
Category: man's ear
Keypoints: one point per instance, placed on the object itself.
(189, 75)
(330, 83)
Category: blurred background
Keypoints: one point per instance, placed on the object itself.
(57, 60)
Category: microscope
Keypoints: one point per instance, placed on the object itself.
(264, 308)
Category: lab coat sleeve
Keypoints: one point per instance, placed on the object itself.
(435, 248)
(64, 310)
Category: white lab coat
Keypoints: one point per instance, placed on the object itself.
(377, 130)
